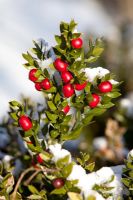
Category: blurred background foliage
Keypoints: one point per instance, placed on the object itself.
(109, 138)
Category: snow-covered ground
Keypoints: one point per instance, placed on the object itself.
(23, 21)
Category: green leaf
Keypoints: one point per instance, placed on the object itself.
(14, 103)
(45, 71)
(108, 105)
(54, 133)
(64, 128)
(59, 191)
(73, 134)
(52, 117)
(59, 51)
(37, 149)
(38, 73)
(37, 52)
(63, 161)
(57, 98)
(80, 98)
(29, 58)
(79, 160)
(51, 90)
(87, 88)
(97, 51)
(86, 157)
(90, 167)
(87, 119)
(126, 182)
(14, 116)
(28, 133)
(97, 111)
(66, 171)
(32, 189)
(129, 165)
(91, 59)
(113, 94)
(72, 25)
(67, 119)
(51, 105)
(63, 27)
(58, 39)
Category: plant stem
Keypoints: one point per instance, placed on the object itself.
(19, 181)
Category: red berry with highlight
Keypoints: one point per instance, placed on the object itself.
(66, 76)
(45, 84)
(39, 159)
(95, 101)
(77, 43)
(60, 65)
(25, 123)
(105, 86)
(80, 86)
(38, 86)
(68, 90)
(32, 76)
(58, 183)
(66, 109)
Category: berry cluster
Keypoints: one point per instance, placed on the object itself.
(67, 86)
(44, 84)
(74, 89)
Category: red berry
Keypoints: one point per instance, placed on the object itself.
(38, 86)
(95, 101)
(76, 43)
(58, 183)
(25, 123)
(29, 142)
(66, 109)
(32, 76)
(105, 86)
(39, 159)
(66, 76)
(60, 65)
(68, 90)
(45, 84)
(80, 86)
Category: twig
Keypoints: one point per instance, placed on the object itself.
(19, 181)
(27, 182)
(30, 178)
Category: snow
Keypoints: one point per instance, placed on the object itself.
(58, 152)
(92, 73)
